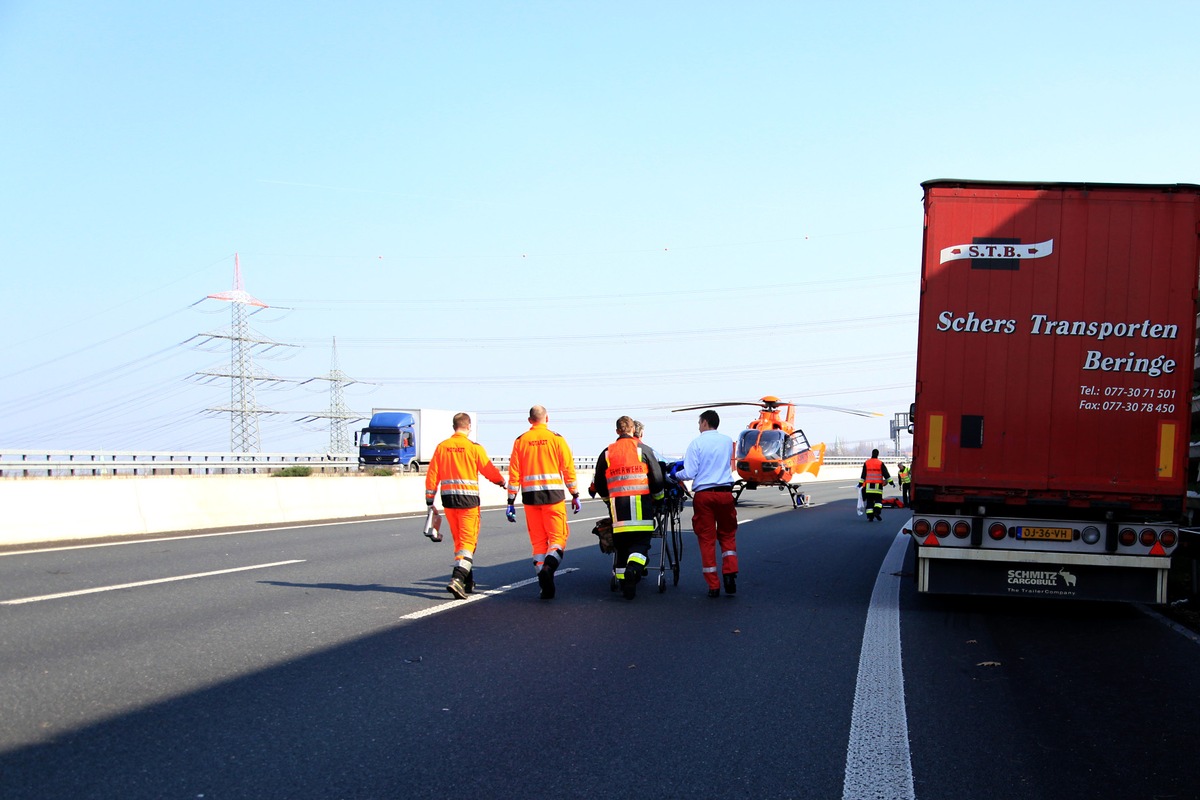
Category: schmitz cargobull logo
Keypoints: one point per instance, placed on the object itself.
(996, 253)
(1043, 578)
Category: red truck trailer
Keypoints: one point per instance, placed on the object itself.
(1055, 355)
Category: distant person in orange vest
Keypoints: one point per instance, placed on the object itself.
(630, 479)
(874, 476)
(542, 469)
(456, 466)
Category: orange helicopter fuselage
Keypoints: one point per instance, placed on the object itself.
(771, 451)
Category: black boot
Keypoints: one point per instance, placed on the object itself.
(546, 583)
(546, 574)
(731, 583)
(458, 583)
(633, 574)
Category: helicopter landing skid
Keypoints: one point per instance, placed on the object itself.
(799, 498)
(795, 492)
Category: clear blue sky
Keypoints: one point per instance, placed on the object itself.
(604, 208)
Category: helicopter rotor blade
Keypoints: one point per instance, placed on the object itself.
(716, 405)
(853, 411)
(778, 404)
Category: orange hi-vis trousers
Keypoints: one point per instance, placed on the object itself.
(464, 527)
(548, 531)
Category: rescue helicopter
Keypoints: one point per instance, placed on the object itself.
(772, 450)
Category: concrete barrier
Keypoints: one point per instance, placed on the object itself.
(55, 509)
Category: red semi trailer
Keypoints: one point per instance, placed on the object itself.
(1054, 385)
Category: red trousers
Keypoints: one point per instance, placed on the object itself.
(548, 530)
(714, 519)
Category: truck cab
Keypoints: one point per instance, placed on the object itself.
(388, 441)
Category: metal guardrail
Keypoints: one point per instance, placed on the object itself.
(97, 463)
(87, 463)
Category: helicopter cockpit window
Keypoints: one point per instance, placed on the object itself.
(747, 440)
(796, 443)
(771, 443)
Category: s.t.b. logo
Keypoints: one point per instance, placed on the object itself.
(986, 252)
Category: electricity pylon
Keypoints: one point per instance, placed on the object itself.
(243, 410)
(338, 415)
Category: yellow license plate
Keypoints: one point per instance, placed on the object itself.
(1045, 534)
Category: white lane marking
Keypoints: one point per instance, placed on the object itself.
(878, 761)
(428, 612)
(56, 548)
(144, 583)
(1170, 623)
(205, 535)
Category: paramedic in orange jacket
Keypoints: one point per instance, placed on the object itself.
(630, 479)
(542, 469)
(456, 466)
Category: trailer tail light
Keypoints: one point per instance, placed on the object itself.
(921, 527)
(1147, 537)
(997, 531)
(1168, 538)
(1127, 537)
(941, 529)
(1091, 534)
(962, 529)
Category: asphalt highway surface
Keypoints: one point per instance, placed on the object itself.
(328, 661)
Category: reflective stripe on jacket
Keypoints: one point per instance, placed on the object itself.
(874, 475)
(626, 473)
(541, 467)
(455, 467)
(630, 479)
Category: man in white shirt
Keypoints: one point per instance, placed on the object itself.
(708, 465)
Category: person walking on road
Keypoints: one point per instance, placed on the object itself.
(874, 476)
(630, 479)
(707, 464)
(904, 475)
(455, 468)
(542, 469)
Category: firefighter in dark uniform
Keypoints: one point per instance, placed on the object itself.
(630, 479)
(874, 476)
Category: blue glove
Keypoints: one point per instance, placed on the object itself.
(674, 469)
(575, 504)
(510, 513)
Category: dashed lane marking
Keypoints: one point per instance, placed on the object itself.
(452, 604)
(79, 592)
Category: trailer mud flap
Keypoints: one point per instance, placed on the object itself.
(1048, 580)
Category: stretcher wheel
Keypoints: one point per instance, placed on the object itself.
(662, 582)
